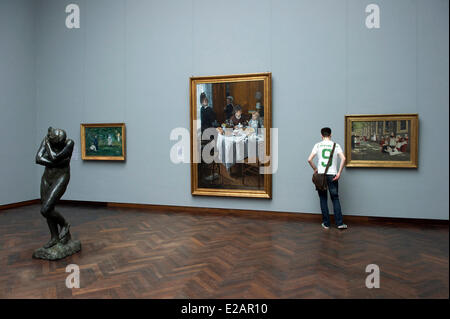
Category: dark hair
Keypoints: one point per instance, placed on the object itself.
(202, 97)
(237, 108)
(326, 132)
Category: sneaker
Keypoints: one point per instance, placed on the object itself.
(343, 226)
(325, 226)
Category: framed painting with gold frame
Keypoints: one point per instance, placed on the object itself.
(389, 140)
(230, 149)
(103, 141)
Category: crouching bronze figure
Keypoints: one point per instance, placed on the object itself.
(55, 153)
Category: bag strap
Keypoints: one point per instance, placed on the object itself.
(330, 159)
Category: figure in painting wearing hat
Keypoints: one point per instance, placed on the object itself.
(207, 115)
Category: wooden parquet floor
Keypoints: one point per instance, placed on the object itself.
(134, 253)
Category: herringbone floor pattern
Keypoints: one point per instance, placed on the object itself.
(132, 253)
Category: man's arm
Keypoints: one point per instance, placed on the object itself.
(66, 151)
(311, 162)
(341, 166)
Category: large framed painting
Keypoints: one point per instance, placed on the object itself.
(382, 140)
(231, 120)
(103, 141)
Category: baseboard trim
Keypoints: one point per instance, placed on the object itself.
(267, 213)
(248, 212)
(20, 204)
(203, 210)
(309, 216)
(82, 203)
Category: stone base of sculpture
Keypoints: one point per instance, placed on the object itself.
(62, 249)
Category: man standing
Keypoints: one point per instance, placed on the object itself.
(228, 110)
(323, 151)
(353, 141)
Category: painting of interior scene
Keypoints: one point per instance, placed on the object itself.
(381, 140)
(232, 115)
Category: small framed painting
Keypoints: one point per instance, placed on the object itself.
(389, 140)
(103, 142)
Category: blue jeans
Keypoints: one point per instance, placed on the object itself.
(333, 188)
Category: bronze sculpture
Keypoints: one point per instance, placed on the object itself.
(55, 153)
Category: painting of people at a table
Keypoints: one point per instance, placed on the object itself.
(230, 128)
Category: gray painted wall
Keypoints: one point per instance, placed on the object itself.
(131, 62)
(17, 102)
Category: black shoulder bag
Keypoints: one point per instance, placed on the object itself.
(320, 180)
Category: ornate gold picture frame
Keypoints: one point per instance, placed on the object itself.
(103, 141)
(231, 119)
(389, 140)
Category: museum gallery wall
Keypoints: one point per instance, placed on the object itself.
(131, 62)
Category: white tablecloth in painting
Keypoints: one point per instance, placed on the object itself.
(234, 149)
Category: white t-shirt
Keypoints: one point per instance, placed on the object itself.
(323, 150)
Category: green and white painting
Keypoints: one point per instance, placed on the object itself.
(103, 141)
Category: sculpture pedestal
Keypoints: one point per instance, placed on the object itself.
(59, 251)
